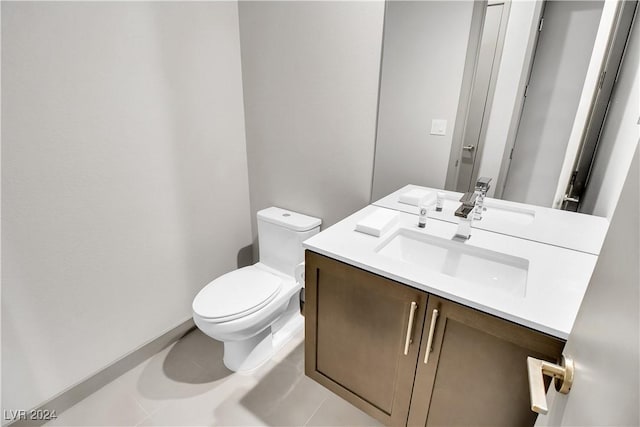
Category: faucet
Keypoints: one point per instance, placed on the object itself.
(463, 212)
(482, 186)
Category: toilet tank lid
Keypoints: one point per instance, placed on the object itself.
(289, 219)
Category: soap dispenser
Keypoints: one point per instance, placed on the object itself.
(423, 208)
(422, 215)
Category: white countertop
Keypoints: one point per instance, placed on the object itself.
(571, 230)
(557, 277)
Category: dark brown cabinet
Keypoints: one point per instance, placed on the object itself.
(366, 340)
(356, 334)
(476, 372)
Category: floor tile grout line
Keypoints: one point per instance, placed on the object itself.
(156, 410)
(135, 398)
(148, 417)
(316, 410)
(204, 370)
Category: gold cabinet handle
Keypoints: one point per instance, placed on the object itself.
(412, 313)
(562, 374)
(432, 329)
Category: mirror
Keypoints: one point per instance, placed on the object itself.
(471, 89)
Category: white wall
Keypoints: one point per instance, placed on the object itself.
(310, 77)
(512, 74)
(425, 47)
(619, 137)
(124, 179)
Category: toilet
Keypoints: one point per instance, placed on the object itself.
(254, 310)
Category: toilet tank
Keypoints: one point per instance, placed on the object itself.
(280, 236)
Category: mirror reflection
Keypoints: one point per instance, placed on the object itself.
(500, 90)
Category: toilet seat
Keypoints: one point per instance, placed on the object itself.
(236, 294)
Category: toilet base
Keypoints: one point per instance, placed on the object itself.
(246, 355)
(288, 331)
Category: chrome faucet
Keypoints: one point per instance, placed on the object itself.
(482, 186)
(463, 212)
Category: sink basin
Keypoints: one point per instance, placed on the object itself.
(478, 266)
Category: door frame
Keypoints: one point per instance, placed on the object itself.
(468, 82)
(586, 152)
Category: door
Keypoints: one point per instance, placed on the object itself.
(481, 94)
(565, 43)
(600, 105)
(604, 341)
(362, 335)
(476, 373)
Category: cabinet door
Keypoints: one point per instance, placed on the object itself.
(476, 373)
(356, 329)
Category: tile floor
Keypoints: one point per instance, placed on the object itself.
(186, 384)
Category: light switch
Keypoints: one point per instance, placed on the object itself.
(438, 127)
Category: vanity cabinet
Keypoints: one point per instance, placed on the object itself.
(356, 334)
(367, 339)
(476, 371)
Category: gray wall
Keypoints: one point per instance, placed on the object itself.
(619, 136)
(124, 179)
(425, 47)
(310, 78)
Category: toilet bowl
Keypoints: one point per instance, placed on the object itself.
(245, 329)
(255, 310)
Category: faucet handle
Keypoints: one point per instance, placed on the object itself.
(469, 198)
(482, 184)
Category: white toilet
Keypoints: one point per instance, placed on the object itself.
(255, 310)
